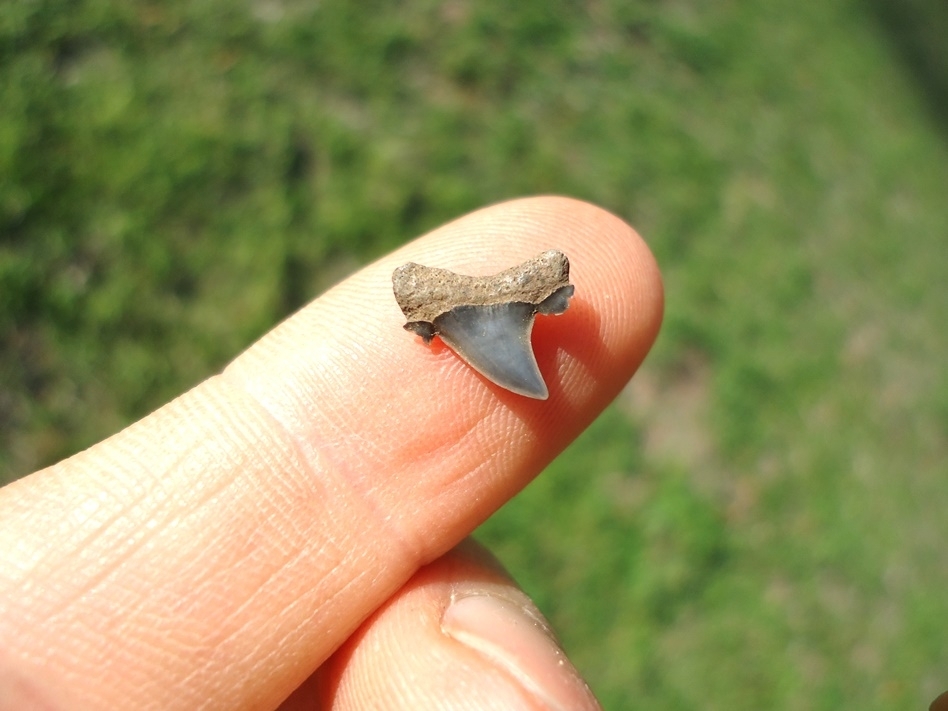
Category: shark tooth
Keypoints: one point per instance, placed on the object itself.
(488, 320)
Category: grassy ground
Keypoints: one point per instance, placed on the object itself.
(758, 522)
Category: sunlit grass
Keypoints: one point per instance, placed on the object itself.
(758, 522)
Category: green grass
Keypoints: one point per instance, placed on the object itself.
(759, 521)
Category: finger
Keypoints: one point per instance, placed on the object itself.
(460, 634)
(219, 550)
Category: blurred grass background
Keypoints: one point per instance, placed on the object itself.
(760, 520)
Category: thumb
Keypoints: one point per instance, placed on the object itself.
(459, 634)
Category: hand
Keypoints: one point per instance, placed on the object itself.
(294, 522)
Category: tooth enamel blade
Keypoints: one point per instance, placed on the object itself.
(557, 302)
(495, 341)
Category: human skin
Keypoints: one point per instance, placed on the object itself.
(298, 521)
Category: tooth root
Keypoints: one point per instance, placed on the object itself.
(487, 320)
(495, 341)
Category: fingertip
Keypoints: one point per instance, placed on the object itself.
(345, 365)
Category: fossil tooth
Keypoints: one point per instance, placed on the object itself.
(487, 320)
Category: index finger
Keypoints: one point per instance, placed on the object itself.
(216, 552)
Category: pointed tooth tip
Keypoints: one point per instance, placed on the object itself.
(527, 384)
(537, 394)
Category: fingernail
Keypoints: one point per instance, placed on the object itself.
(511, 633)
